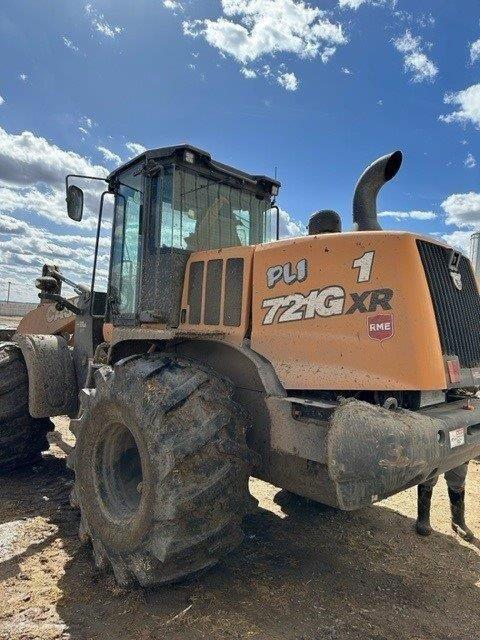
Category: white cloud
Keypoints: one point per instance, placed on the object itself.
(87, 122)
(426, 20)
(266, 71)
(346, 71)
(135, 148)
(470, 161)
(48, 203)
(268, 27)
(415, 61)
(32, 189)
(412, 215)
(290, 228)
(27, 159)
(404, 16)
(2, 101)
(24, 248)
(420, 66)
(100, 24)
(469, 102)
(327, 53)
(351, 4)
(288, 80)
(248, 73)
(69, 44)
(9, 225)
(23, 77)
(356, 4)
(173, 5)
(109, 156)
(475, 51)
(459, 239)
(32, 177)
(462, 210)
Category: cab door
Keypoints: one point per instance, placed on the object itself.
(127, 246)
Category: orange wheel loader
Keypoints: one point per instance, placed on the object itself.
(341, 366)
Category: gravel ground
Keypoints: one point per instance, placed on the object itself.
(304, 572)
(9, 322)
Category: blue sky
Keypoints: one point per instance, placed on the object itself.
(316, 89)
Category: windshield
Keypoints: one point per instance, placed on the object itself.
(198, 213)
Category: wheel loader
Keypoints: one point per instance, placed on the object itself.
(340, 366)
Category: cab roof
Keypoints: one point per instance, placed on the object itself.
(177, 153)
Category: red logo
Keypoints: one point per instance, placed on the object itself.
(380, 327)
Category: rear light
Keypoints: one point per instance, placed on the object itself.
(453, 368)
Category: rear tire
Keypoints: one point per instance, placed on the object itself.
(161, 469)
(22, 438)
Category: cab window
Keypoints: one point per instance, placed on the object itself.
(197, 213)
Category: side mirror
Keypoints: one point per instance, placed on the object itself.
(74, 202)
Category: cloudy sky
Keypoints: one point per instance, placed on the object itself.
(316, 89)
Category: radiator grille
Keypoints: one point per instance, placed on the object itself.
(457, 311)
(205, 303)
(195, 292)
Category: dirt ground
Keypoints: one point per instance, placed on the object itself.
(304, 572)
(9, 322)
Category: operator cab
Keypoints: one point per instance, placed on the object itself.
(170, 202)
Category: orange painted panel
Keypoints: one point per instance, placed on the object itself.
(47, 320)
(346, 311)
(234, 333)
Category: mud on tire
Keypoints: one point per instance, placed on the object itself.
(22, 438)
(161, 469)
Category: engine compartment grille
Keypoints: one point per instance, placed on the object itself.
(457, 311)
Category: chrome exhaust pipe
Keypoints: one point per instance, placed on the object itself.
(367, 189)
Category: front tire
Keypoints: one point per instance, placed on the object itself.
(22, 438)
(161, 469)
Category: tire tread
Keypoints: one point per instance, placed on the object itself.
(202, 496)
(22, 438)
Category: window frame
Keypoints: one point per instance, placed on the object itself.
(114, 314)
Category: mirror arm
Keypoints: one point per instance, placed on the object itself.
(79, 175)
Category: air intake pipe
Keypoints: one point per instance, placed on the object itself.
(325, 221)
(368, 187)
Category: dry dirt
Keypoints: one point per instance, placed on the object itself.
(9, 322)
(304, 572)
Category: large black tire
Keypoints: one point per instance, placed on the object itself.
(161, 469)
(22, 438)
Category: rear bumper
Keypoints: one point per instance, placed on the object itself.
(372, 453)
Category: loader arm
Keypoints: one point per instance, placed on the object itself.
(46, 319)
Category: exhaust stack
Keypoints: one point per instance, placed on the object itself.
(368, 187)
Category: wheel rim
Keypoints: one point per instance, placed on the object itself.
(118, 473)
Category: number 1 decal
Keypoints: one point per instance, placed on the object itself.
(364, 264)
